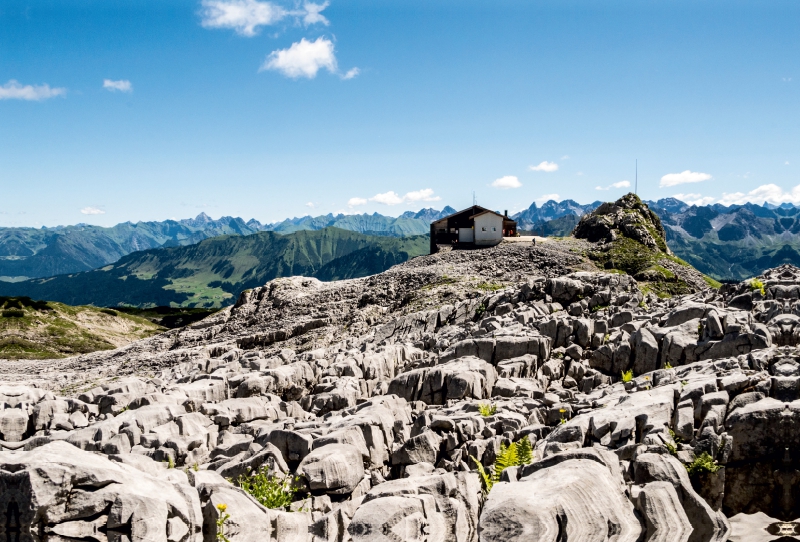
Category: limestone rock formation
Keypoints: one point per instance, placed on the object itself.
(381, 400)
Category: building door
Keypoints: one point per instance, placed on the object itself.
(466, 235)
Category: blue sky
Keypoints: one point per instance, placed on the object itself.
(114, 110)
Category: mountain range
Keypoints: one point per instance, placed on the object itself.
(214, 271)
(44, 252)
(183, 263)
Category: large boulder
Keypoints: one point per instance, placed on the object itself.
(60, 489)
(335, 468)
(574, 499)
(467, 377)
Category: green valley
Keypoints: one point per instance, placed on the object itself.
(213, 272)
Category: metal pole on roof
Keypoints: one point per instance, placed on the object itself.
(474, 199)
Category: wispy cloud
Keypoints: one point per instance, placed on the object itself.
(351, 73)
(123, 85)
(15, 91)
(545, 166)
(547, 197)
(504, 183)
(313, 13)
(92, 211)
(674, 179)
(565, 157)
(246, 17)
(303, 59)
(393, 198)
(310, 204)
(621, 184)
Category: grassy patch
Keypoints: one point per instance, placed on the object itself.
(703, 463)
(711, 282)
(271, 491)
(626, 255)
(489, 286)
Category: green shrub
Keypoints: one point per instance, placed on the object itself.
(13, 313)
(756, 284)
(270, 491)
(487, 409)
(627, 376)
(703, 463)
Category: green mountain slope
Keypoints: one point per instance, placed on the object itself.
(44, 252)
(213, 272)
(37, 329)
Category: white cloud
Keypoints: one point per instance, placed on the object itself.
(123, 85)
(393, 198)
(771, 193)
(387, 198)
(674, 179)
(313, 13)
(303, 59)
(547, 197)
(545, 166)
(14, 91)
(565, 157)
(509, 181)
(310, 204)
(695, 199)
(351, 73)
(620, 184)
(243, 16)
(246, 16)
(579, 174)
(426, 194)
(786, 163)
(92, 211)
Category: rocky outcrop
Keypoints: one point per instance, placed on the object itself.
(648, 418)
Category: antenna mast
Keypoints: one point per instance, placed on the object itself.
(636, 186)
(474, 199)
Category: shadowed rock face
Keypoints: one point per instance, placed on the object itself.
(383, 424)
(762, 473)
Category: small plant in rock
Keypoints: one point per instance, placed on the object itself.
(480, 310)
(270, 491)
(627, 376)
(668, 366)
(562, 411)
(703, 463)
(514, 455)
(756, 284)
(487, 409)
(223, 518)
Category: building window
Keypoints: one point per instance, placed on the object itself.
(494, 229)
(483, 229)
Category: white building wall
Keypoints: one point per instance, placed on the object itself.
(465, 235)
(488, 229)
